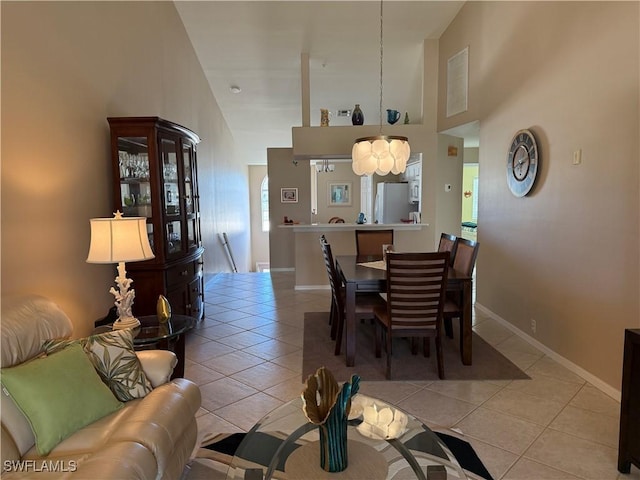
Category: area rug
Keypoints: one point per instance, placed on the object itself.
(318, 351)
(214, 456)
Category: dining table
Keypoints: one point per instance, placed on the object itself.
(367, 274)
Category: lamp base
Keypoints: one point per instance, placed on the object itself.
(126, 322)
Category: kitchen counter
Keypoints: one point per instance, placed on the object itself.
(311, 272)
(336, 227)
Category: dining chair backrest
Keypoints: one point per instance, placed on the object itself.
(336, 220)
(416, 285)
(465, 256)
(448, 244)
(369, 242)
(334, 280)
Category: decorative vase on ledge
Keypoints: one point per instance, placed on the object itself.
(358, 117)
(328, 406)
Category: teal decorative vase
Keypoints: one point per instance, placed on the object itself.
(328, 406)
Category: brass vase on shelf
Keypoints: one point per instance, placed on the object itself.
(328, 406)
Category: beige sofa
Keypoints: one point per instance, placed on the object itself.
(146, 438)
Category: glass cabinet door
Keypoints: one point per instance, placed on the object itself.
(190, 196)
(170, 177)
(188, 183)
(135, 186)
(171, 195)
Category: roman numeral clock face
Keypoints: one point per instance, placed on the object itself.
(522, 163)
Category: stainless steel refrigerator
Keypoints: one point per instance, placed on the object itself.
(392, 202)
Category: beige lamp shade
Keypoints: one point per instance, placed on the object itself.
(119, 239)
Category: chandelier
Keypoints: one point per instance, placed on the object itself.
(380, 154)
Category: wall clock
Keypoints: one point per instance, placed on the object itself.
(522, 163)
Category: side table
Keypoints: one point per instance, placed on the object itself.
(169, 336)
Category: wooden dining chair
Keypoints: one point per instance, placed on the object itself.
(448, 244)
(365, 302)
(464, 262)
(336, 220)
(369, 242)
(416, 285)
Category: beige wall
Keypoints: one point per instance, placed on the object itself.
(259, 239)
(566, 255)
(343, 173)
(66, 67)
(284, 173)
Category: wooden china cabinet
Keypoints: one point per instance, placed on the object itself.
(155, 176)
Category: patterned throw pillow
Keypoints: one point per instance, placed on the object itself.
(115, 360)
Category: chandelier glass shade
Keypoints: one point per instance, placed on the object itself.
(381, 154)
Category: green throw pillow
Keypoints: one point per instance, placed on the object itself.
(59, 395)
(114, 359)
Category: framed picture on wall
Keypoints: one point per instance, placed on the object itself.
(288, 195)
(340, 194)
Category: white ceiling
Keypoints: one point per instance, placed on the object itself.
(257, 46)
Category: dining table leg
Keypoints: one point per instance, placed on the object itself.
(350, 323)
(467, 318)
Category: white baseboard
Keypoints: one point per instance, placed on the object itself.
(589, 377)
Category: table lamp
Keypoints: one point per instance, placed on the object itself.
(119, 240)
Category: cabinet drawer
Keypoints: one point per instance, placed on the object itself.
(180, 274)
(195, 298)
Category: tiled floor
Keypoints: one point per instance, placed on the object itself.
(247, 358)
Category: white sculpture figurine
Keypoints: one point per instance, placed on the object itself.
(124, 300)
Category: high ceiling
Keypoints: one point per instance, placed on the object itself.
(257, 46)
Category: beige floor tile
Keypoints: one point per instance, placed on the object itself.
(243, 339)
(227, 315)
(271, 349)
(596, 427)
(247, 412)
(523, 360)
(292, 361)
(492, 332)
(391, 392)
(206, 351)
(577, 456)
(233, 362)
(287, 390)
(475, 392)
(436, 409)
(250, 323)
(193, 338)
(551, 368)
(546, 387)
(526, 469)
(517, 344)
(225, 391)
(210, 424)
(533, 409)
(264, 375)
(274, 329)
(590, 398)
(219, 331)
(200, 374)
(495, 459)
(500, 430)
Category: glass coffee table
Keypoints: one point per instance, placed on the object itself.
(166, 336)
(284, 445)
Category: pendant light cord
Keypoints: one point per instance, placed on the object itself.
(381, 61)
